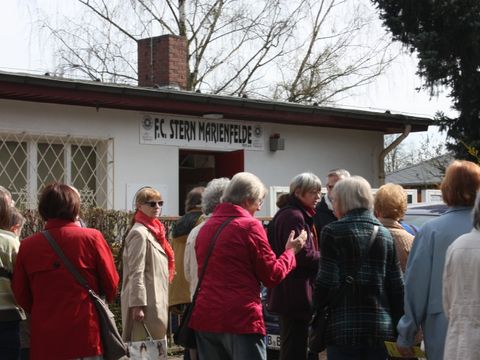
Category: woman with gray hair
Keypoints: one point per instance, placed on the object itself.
(363, 264)
(210, 199)
(227, 315)
(292, 298)
(461, 293)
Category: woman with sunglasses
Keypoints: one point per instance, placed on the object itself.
(148, 268)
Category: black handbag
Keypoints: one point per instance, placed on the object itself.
(113, 346)
(185, 335)
(317, 328)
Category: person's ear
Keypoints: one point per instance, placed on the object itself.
(16, 228)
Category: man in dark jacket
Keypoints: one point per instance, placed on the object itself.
(324, 210)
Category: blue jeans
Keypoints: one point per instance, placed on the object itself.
(345, 352)
(224, 346)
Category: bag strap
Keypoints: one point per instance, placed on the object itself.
(349, 280)
(149, 336)
(65, 260)
(189, 311)
(209, 252)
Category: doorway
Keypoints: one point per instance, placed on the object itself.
(197, 168)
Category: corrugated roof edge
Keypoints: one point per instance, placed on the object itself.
(179, 95)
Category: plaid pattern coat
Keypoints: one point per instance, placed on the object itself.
(370, 308)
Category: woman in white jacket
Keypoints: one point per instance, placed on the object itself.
(461, 293)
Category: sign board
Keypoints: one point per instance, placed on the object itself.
(199, 133)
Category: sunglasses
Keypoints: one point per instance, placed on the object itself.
(154, 203)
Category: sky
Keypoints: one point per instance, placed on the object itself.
(24, 50)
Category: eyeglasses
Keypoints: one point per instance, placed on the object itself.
(154, 203)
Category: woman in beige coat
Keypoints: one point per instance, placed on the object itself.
(148, 267)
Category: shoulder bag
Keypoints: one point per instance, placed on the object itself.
(184, 335)
(113, 346)
(318, 325)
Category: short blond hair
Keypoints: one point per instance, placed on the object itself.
(145, 194)
(391, 201)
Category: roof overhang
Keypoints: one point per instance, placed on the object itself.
(95, 94)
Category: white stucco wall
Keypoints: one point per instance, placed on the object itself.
(316, 150)
(306, 148)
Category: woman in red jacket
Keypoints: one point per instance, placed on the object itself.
(64, 322)
(227, 315)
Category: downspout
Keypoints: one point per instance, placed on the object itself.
(384, 153)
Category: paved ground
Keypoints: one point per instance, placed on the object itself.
(322, 356)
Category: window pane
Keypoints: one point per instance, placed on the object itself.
(84, 173)
(50, 164)
(13, 168)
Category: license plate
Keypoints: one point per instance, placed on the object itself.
(273, 342)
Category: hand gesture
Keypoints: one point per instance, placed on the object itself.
(137, 313)
(296, 244)
(405, 351)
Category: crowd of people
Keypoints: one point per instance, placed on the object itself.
(347, 250)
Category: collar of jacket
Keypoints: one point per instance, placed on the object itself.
(295, 203)
(8, 234)
(56, 223)
(390, 223)
(322, 206)
(365, 214)
(229, 209)
(458, 208)
(186, 223)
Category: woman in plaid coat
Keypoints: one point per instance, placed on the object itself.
(367, 312)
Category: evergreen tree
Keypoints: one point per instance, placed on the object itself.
(446, 36)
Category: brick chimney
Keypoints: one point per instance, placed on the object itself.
(162, 61)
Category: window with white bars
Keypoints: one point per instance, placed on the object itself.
(28, 162)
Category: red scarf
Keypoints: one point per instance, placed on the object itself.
(158, 230)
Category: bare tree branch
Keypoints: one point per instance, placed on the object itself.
(234, 46)
(106, 17)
